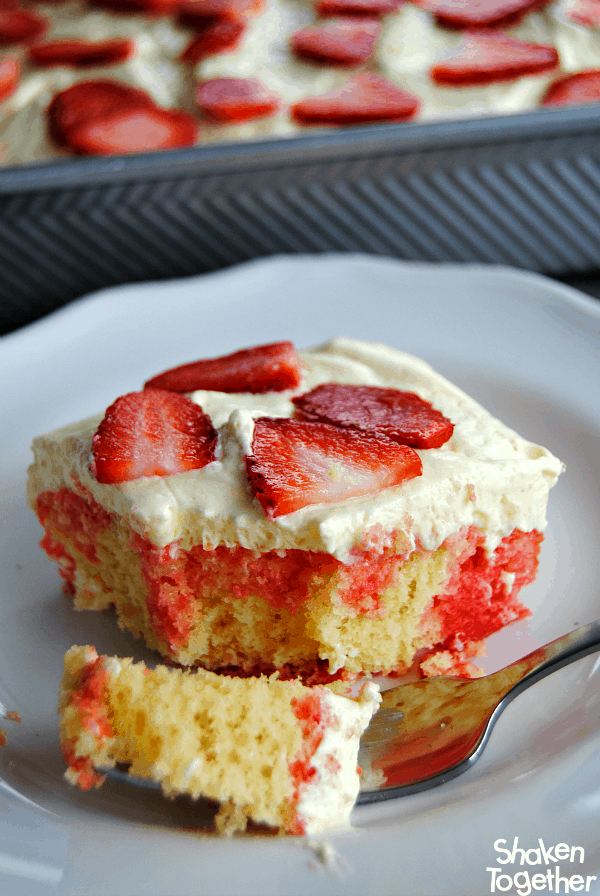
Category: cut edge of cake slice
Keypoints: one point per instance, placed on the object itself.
(276, 752)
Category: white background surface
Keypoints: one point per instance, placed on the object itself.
(529, 350)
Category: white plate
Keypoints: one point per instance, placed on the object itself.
(529, 349)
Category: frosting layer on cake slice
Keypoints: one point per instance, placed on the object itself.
(510, 477)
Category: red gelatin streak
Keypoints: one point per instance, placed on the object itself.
(177, 579)
(474, 603)
(87, 776)
(89, 699)
(313, 716)
(73, 517)
(171, 602)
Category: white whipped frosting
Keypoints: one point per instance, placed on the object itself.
(409, 44)
(486, 475)
(327, 801)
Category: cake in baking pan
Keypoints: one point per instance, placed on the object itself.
(103, 77)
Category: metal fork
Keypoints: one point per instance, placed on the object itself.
(431, 731)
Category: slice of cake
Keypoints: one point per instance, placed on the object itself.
(275, 751)
(343, 512)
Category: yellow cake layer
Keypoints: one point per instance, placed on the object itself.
(239, 741)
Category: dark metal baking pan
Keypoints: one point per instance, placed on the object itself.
(520, 190)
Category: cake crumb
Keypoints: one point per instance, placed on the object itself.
(329, 857)
(230, 819)
(372, 779)
(447, 662)
(11, 716)
(340, 687)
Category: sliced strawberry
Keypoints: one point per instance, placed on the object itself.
(10, 72)
(219, 35)
(152, 433)
(134, 130)
(235, 99)
(583, 87)
(459, 14)
(295, 464)
(81, 52)
(584, 12)
(357, 7)
(401, 416)
(264, 368)
(200, 13)
(132, 7)
(364, 98)
(89, 100)
(485, 57)
(343, 41)
(19, 26)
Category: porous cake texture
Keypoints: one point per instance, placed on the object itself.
(421, 571)
(277, 752)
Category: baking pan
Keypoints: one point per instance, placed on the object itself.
(521, 190)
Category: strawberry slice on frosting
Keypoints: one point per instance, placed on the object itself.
(235, 99)
(582, 87)
(402, 416)
(487, 57)
(295, 464)
(363, 99)
(459, 14)
(78, 53)
(263, 368)
(347, 40)
(151, 433)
